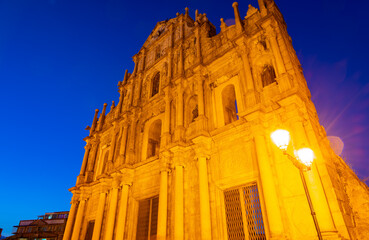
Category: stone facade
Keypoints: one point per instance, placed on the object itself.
(186, 153)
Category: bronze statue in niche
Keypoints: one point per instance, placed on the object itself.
(195, 113)
(268, 75)
(155, 84)
(157, 52)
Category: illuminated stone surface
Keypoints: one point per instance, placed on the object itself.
(187, 154)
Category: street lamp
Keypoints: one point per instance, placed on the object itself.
(303, 161)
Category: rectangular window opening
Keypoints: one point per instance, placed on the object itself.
(243, 213)
(147, 219)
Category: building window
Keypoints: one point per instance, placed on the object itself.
(154, 137)
(243, 213)
(229, 104)
(268, 75)
(155, 84)
(147, 219)
(90, 230)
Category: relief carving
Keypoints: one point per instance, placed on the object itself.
(177, 34)
(190, 52)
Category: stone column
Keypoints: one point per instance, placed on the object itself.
(200, 95)
(78, 223)
(178, 201)
(203, 146)
(123, 142)
(91, 164)
(137, 90)
(70, 221)
(121, 97)
(143, 59)
(81, 176)
(130, 92)
(132, 137)
(121, 221)
(99, 216)
(170, 60)
(180, 106)
(179, 130)
(205, 217)
(247, 68)
(163, 205)
(314, 184)
(170, 53)
(268, 188)
(112, 149)
(272, 36)
(166, 130)
(250, 88)
(198, 42)
(180, 61)
(167, 111)
(85, 159)
(110, 221)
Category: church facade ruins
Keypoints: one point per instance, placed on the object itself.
(187, 154)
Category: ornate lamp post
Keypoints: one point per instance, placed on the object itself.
(303, 161)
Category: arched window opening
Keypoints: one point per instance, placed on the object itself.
(229, 104)
(154, 137)
(268, 75)
(155, 84)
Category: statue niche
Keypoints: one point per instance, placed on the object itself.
(268, 75)
(155, 84)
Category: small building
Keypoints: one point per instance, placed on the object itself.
(49, 226)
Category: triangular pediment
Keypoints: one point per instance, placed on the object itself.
(160, 29)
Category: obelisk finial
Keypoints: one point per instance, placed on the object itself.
(237, 17)
(94, 121)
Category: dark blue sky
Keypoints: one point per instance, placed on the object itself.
(61, 59)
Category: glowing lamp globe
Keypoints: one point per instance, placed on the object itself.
(281, 138)
(306, 156)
